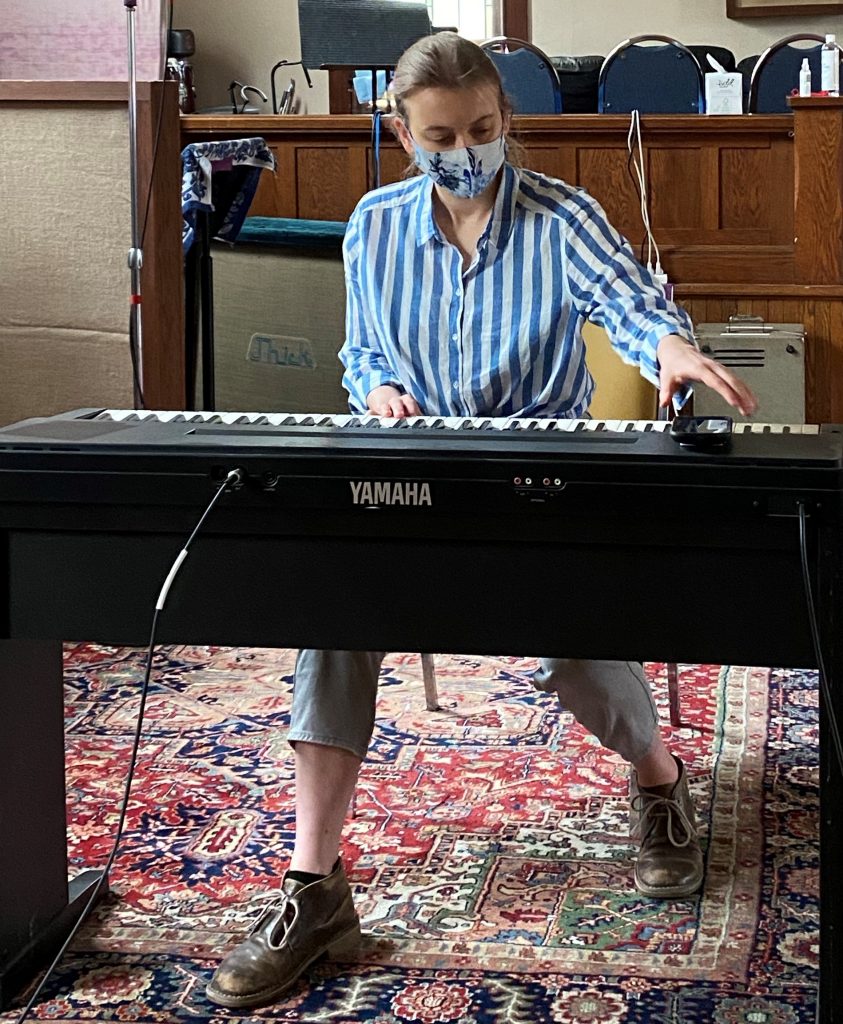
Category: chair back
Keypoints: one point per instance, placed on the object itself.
(578, 82)
(724, 57)
(745, 68)
(528, 75)
(776, 72)
(653, 74)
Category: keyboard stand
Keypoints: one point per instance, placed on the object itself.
(39, 906)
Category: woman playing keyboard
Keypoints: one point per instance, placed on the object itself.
(468, 288)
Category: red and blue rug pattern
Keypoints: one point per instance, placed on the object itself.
(488, 852)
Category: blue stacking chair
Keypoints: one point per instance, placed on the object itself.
(528, 75)
(776, 72)
(664, 78)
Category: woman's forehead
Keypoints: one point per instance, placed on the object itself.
(439, 107)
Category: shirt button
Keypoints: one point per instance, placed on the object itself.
(455, 384)
(454, 337)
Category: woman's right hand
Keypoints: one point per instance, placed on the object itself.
(388, 401)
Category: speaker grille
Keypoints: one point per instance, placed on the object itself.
(359, 33)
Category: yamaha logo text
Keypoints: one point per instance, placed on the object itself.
(389, 492)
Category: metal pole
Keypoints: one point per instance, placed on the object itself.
(135, 258)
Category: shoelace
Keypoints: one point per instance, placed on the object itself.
(275, 905)
(647, 805)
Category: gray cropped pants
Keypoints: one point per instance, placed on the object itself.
(335, 693)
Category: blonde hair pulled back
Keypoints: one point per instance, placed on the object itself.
(446, 60)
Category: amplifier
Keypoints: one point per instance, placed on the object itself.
(769, 357)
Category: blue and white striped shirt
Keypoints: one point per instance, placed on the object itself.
(504, 335)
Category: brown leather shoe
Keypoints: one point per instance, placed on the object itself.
(302, 923)
(670, 861)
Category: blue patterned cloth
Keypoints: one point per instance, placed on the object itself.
(199, 160)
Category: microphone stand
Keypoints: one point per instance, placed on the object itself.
(135, 259)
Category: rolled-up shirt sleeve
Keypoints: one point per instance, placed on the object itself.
(366, 365)
(613, 290)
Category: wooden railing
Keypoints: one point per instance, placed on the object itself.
(720, 188)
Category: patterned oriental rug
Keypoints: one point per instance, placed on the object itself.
(489, 851)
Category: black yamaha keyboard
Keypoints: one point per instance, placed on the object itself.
(470, 466)
(455, 506)
(594, 539)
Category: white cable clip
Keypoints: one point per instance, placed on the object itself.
(162, 597)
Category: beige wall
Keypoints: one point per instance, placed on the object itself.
(589, 27)
(243, 40)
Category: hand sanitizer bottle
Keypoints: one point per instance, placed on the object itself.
(830, 57)
(805, 78)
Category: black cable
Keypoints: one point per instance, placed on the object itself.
(234, 477)
(815, 637)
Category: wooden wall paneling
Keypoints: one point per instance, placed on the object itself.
(276, 193)
(823, 321)
(340, 90)
(604, 172)
(756, 190)
(394, 163)
(677, 180)
(553, 160)
(818, 130)
(517, 20)
(330, 180)
(162, 277)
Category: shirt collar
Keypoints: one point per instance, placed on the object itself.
(501, 220)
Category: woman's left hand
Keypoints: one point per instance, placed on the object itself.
(680, 363)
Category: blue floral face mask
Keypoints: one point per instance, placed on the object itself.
(466, 172)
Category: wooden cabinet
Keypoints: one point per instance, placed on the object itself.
(720, 188)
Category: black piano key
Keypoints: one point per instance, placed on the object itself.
(484, 425)
(288, 421)
(580, 426)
